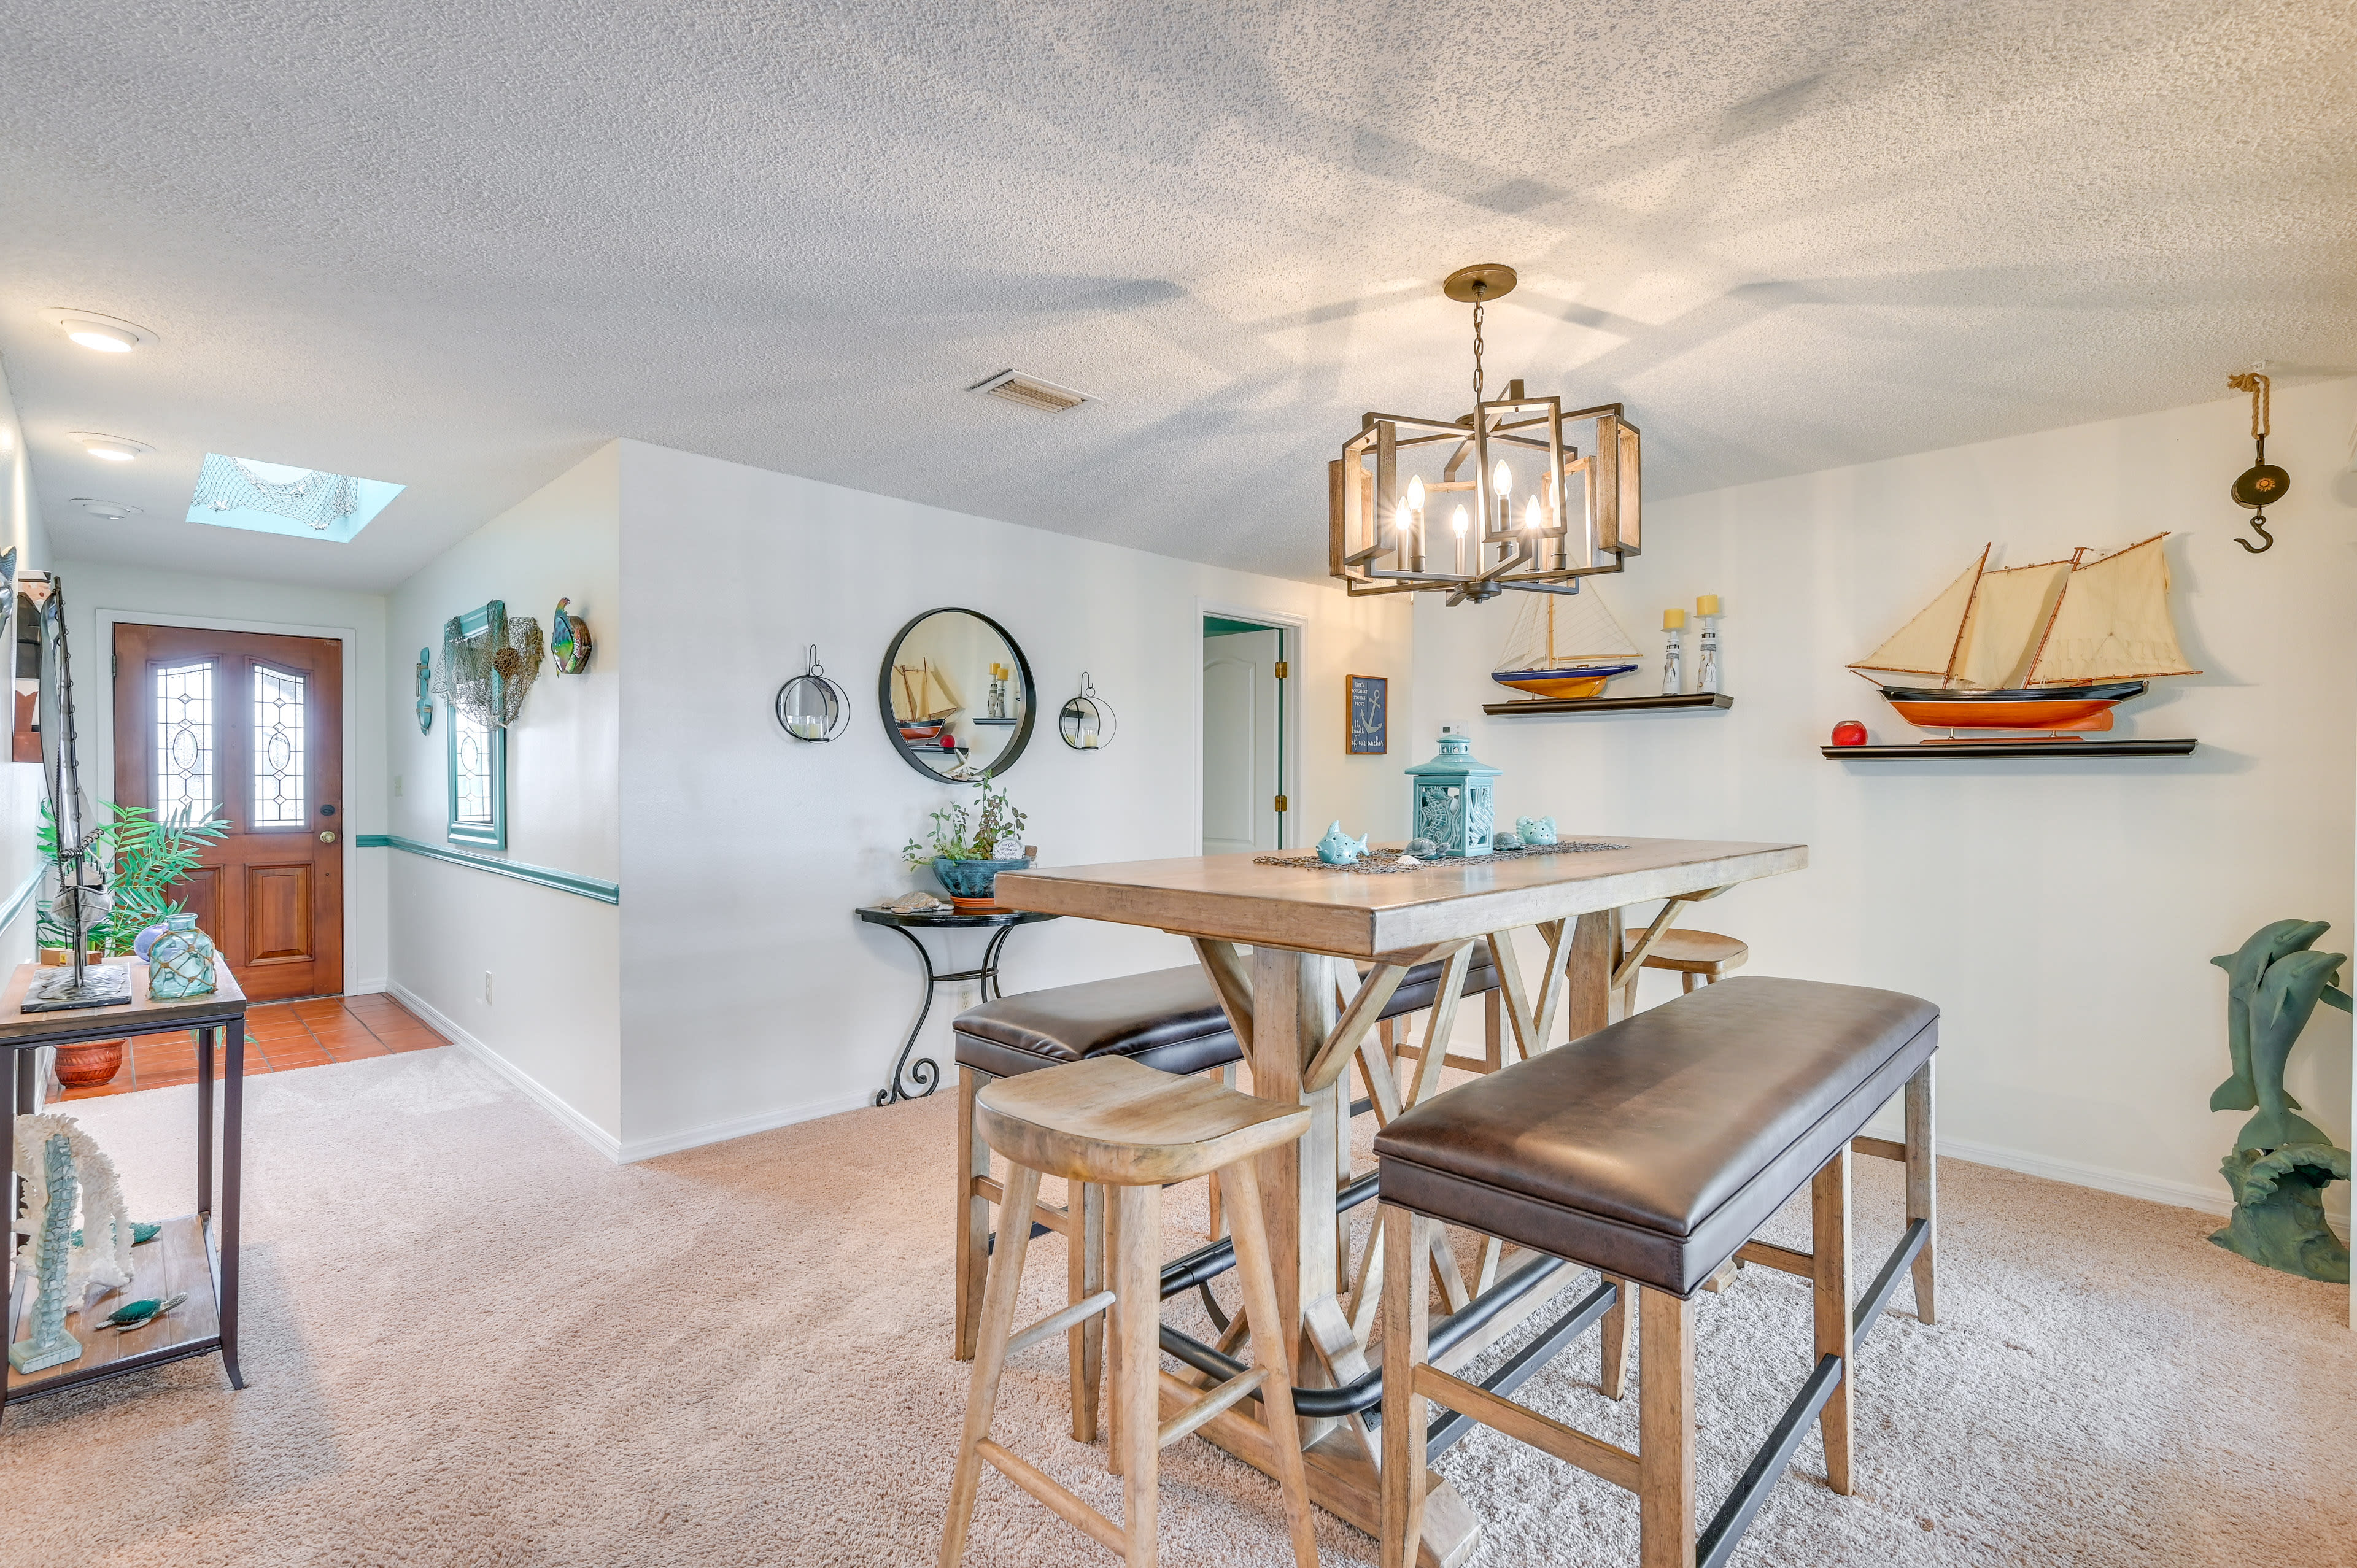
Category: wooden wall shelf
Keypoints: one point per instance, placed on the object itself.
(1979, 749)
(1609, 705)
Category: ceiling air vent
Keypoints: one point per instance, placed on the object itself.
(1030, 391)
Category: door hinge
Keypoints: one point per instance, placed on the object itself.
(116, 672)
(1280, 803)
(1283, 670)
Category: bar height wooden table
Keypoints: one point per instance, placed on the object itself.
(1298, 922)
(195, 1252)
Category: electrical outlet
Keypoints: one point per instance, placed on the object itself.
(965, 997)
(396, 786)
(487, 988)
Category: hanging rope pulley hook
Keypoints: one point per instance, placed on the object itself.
(2262, 484)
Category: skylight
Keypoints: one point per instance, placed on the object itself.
(273, 498)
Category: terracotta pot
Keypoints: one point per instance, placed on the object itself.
(89, 1065)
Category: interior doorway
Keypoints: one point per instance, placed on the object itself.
(1247, 670)
(248, 727)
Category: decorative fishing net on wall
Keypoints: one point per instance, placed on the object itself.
(316, 500)
(486, 672)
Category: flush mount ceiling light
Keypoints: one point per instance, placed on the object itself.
(107, 334)
(113, 511)
(113, 448)
(1536, 513)
(1016, 386)
(277, 498)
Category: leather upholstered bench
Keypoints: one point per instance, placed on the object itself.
(1651, 1150)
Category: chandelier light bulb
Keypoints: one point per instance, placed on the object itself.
(1531, 514)
(1400, 523)
(1458, 520)
(1415, 493)
(1503, 477)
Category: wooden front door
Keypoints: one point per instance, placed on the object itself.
(249, 728)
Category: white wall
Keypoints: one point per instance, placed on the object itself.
(2062, 913)
(100, 593)
(553, 1021)
(20, 785)
(751, 995)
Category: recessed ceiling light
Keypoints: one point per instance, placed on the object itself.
(107, 334)
(1031, 392)
(113, 511)
(113, 448)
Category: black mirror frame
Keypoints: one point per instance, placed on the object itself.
(892, 729)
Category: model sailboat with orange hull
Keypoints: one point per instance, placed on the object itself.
(1568, 653)
(2050, 648)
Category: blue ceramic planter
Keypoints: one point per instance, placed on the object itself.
(973, 881)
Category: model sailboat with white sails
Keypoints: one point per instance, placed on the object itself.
(2051, 647)
(1564, 645)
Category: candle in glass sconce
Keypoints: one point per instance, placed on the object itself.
(1707, 664)
(1674, 626)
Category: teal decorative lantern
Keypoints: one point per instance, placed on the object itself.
(1455, 802)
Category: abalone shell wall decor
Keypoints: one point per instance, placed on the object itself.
(569, 644)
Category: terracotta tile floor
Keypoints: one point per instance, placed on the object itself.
(279, 1037)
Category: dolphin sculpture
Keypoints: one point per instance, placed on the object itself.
(2289, 994)
(2245, 968)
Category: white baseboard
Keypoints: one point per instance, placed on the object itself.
(2207, 1199)
(605, 1142)
(720, 1132)
(366, 987)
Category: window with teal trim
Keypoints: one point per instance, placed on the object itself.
(478, 768)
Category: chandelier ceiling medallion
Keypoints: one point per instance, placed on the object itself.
(1535, 513)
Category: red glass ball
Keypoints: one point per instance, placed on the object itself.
(1849, 732)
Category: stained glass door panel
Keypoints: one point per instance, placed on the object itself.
(248, 727)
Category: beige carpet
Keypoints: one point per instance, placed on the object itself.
(469, 1340)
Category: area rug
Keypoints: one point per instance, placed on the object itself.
(469, 1340)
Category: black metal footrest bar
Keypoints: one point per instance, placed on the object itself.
(1362, 1394)
(1877, 1296)
(1206, 1263)
(1519, 1367)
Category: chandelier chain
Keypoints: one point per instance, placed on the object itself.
(1476, 346)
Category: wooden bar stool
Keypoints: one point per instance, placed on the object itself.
(1128, 1129)
(1704, 956)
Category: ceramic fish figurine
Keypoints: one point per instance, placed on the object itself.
(1338, 848)
(570, 648)
(1535, 830)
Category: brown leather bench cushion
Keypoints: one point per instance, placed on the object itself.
(1169, 1019)
(1654, 1148)
(1417, 991)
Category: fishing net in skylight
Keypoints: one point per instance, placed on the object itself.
(316, 500)
(486, 673)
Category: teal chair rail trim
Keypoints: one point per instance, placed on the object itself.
(21, 901)
(563, 881)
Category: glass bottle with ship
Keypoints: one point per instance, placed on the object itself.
(1565, 647)
(2045, 650)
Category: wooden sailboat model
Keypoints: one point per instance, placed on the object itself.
(1566, 652)
(922, 701)
(2051, 647)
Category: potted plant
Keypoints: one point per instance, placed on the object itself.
(143, 858)
(969, 849)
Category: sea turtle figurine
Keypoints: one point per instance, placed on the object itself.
(1535, 830)
(140, 1313)
(1505, 841)
(1338, 848)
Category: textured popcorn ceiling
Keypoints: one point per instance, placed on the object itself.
(456, 246)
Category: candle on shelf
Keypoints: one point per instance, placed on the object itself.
(1674, 626)
(1707, 665)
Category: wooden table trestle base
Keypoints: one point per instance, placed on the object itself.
(196, 1252)
(1285, 1000)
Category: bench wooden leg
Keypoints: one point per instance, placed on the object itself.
(1407, 1330)
(1665, 1458)
(1619, 1326)
(1085, 1244)
(1829, 1249)
(1923, 1185)
(998, 1324)
(973, 1214)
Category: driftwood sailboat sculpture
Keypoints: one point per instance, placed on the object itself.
(2050, 648)
(1564, 645)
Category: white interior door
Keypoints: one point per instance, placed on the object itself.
(1240, 743)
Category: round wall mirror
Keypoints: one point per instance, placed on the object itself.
(956, 696)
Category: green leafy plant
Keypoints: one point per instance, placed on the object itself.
(982, 834)
(143, 857)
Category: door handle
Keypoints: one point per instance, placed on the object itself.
(328, 837)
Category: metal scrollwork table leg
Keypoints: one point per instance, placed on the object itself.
(925, 1072)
